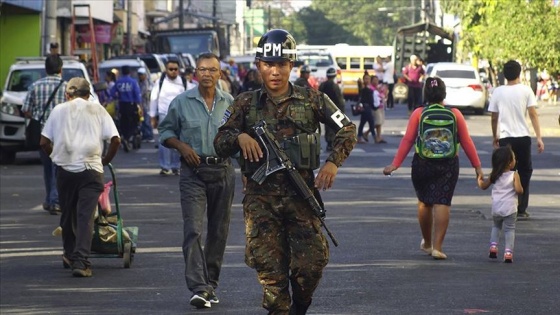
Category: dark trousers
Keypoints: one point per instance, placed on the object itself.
(414, 97)
(208, 190)
(78, 194)
(390, 99)
(366, 116)
(522, 148)
(128, 119)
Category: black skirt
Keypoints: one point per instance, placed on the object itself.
(435, 180)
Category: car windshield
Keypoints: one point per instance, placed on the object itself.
(21, 80)
(152, 64)
(103, 70)
(316, 60)
(456, 74)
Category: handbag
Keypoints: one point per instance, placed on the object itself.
(357, 109)
(33, 129)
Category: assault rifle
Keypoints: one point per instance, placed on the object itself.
(277, 159)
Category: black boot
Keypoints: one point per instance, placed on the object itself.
(298, 309)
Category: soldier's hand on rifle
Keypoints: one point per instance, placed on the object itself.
(249, 148)
(325, 178)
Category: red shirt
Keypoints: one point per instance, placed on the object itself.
(412, 132)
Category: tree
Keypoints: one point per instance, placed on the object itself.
(500, 30)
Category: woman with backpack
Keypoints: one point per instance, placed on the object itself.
(435, 165)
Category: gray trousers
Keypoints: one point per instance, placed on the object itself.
(508, 225)
(78, 194)
(208, 188)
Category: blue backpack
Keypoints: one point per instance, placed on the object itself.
(437, 133)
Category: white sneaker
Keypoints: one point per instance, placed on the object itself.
(200, 300)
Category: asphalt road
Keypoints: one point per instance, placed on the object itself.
(378, 267)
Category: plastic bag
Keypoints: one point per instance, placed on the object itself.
(105, 200)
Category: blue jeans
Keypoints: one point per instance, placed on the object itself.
(49, 176)
(508, 225)
(200, 195)
(168, 158)
(146, 127)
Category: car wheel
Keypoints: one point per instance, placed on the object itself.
(479, 111)
(7, 157)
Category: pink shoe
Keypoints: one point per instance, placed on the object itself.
(493, 251)
(508, 257)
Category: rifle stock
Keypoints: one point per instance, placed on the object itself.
(277, 160)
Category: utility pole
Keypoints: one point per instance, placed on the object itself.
(269, 19)
(49, 22)
(129, 26)
(181, 15)
(413, 11)
(423, 11)
(214, 13)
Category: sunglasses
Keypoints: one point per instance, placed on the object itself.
(172, 69)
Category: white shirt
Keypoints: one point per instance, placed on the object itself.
(504, 198)
(512, 102)
(159, 101)
(378, 69)
(389, 74)
(77, 130)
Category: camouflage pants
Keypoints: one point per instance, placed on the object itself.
(286, 246)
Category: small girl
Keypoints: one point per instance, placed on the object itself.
(506, 187)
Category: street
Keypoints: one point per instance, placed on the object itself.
(377, 268)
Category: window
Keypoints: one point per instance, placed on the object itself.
(459, 74)
(341, 62)
(355, 63)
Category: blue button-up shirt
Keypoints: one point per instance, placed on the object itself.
(189, 120)
(126, 89)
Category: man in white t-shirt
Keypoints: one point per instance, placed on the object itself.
(509, 106)
(164, 91)
(389, 79)
(73, 137)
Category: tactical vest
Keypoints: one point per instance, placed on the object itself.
(304, 148)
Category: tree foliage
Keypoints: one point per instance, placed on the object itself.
(500, 30)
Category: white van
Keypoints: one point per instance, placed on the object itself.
(21, 75)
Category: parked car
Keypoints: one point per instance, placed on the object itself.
(465, 89)
(319, 62)
(117, 64)
(21, 75)
(154, 63)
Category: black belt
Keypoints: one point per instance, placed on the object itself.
(209, 160)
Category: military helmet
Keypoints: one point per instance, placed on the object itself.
(331, 72)
(276, 45)
(305, 69)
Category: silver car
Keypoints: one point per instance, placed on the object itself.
(465, 89)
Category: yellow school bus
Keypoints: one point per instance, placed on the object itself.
(353, 61)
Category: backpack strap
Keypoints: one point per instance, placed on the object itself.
(163, 78)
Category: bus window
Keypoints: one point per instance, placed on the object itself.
(355, 63)
(369, 62)
(341, 61)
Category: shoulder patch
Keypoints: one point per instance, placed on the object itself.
(227, 114)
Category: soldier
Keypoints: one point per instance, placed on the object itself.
(304, 74)
(284, 242)
(332, 90)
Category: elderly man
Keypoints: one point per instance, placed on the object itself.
(73, 137)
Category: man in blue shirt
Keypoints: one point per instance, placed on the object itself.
(127, 91)
(207, 182)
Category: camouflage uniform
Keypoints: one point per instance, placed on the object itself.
(284, 241)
